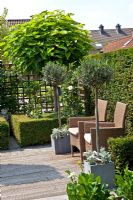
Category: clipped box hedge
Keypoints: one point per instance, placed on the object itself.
(28, 131)
(122, 151)
(4, 134)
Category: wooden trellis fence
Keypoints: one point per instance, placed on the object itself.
(20, 94)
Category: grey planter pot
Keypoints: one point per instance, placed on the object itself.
(105, 171)
(61, 145)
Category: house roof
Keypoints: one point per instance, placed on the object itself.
(123, 43)
(104, 36)
(13, 22)
(100, 37)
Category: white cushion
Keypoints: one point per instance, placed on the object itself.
(87, 137)
(74, 130)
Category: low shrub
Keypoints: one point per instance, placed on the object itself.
(4, 134)
(30, 131)
(86, 187)
(121, 150)
(124, 183)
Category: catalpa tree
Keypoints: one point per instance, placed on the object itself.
(48, 36)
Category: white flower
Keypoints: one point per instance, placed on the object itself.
(70, 87)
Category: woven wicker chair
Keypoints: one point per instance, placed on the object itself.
(77, 139)
(106, 129)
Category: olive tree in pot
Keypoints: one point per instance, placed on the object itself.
(55, 74)
(95, 73)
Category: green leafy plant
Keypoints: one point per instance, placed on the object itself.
(72, 104)
(4, 133)
(86, 187)
(29, 131)
(93, 157)
(48, 36)
(121, 85)
(4, 29)
(95, 73)
(124, 184)
(121, 150)
(60, 132)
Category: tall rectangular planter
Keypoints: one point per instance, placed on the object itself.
(105, 171)
(61, 145)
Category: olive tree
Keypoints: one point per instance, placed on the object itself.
(95, 73)
(48, 36)
(55, 74)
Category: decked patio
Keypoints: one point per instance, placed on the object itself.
(34, 173)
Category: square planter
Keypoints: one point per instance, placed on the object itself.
(61, 145)
(105, 171)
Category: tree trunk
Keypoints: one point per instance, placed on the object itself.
(59, 114)
(57, 104)
(97, 120)
(55, 99)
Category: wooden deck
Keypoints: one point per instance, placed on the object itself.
(34, 173)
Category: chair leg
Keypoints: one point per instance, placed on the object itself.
(72, 150)
(81, 156)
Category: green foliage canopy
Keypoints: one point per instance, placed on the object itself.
(93, 72)
(3, 31)
(54, 73)
(48, 36)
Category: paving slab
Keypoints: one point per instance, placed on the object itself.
(35, 173)
(62, 197)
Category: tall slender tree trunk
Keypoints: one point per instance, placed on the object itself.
(57, 104)
(55, 98)
(97, 120)
(59, 114)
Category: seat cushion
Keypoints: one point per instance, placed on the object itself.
(73, 131)
(87, 137)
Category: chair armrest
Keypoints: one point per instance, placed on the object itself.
(91, 124)
(104, 134)
(108, 131)
(73, 121)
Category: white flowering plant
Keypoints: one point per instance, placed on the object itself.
(94, 157)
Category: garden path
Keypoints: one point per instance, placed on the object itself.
(34, 173)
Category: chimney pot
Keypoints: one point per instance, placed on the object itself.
(118, 28)
(101, 29)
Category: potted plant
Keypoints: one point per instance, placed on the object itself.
(100, 164)
(60, 140)
(95, 73)
(86, 186)
(55, 74)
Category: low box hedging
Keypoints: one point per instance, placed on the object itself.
(30, 131)
(122, 151)
(4, 134)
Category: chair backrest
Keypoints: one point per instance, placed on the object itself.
(102, 109)
(119, 114)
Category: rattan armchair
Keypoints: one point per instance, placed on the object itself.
(106, 129)
(77, 139)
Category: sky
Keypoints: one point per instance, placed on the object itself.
(92, 13)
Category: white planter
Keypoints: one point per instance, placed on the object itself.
(105, 171)
(61, 145)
